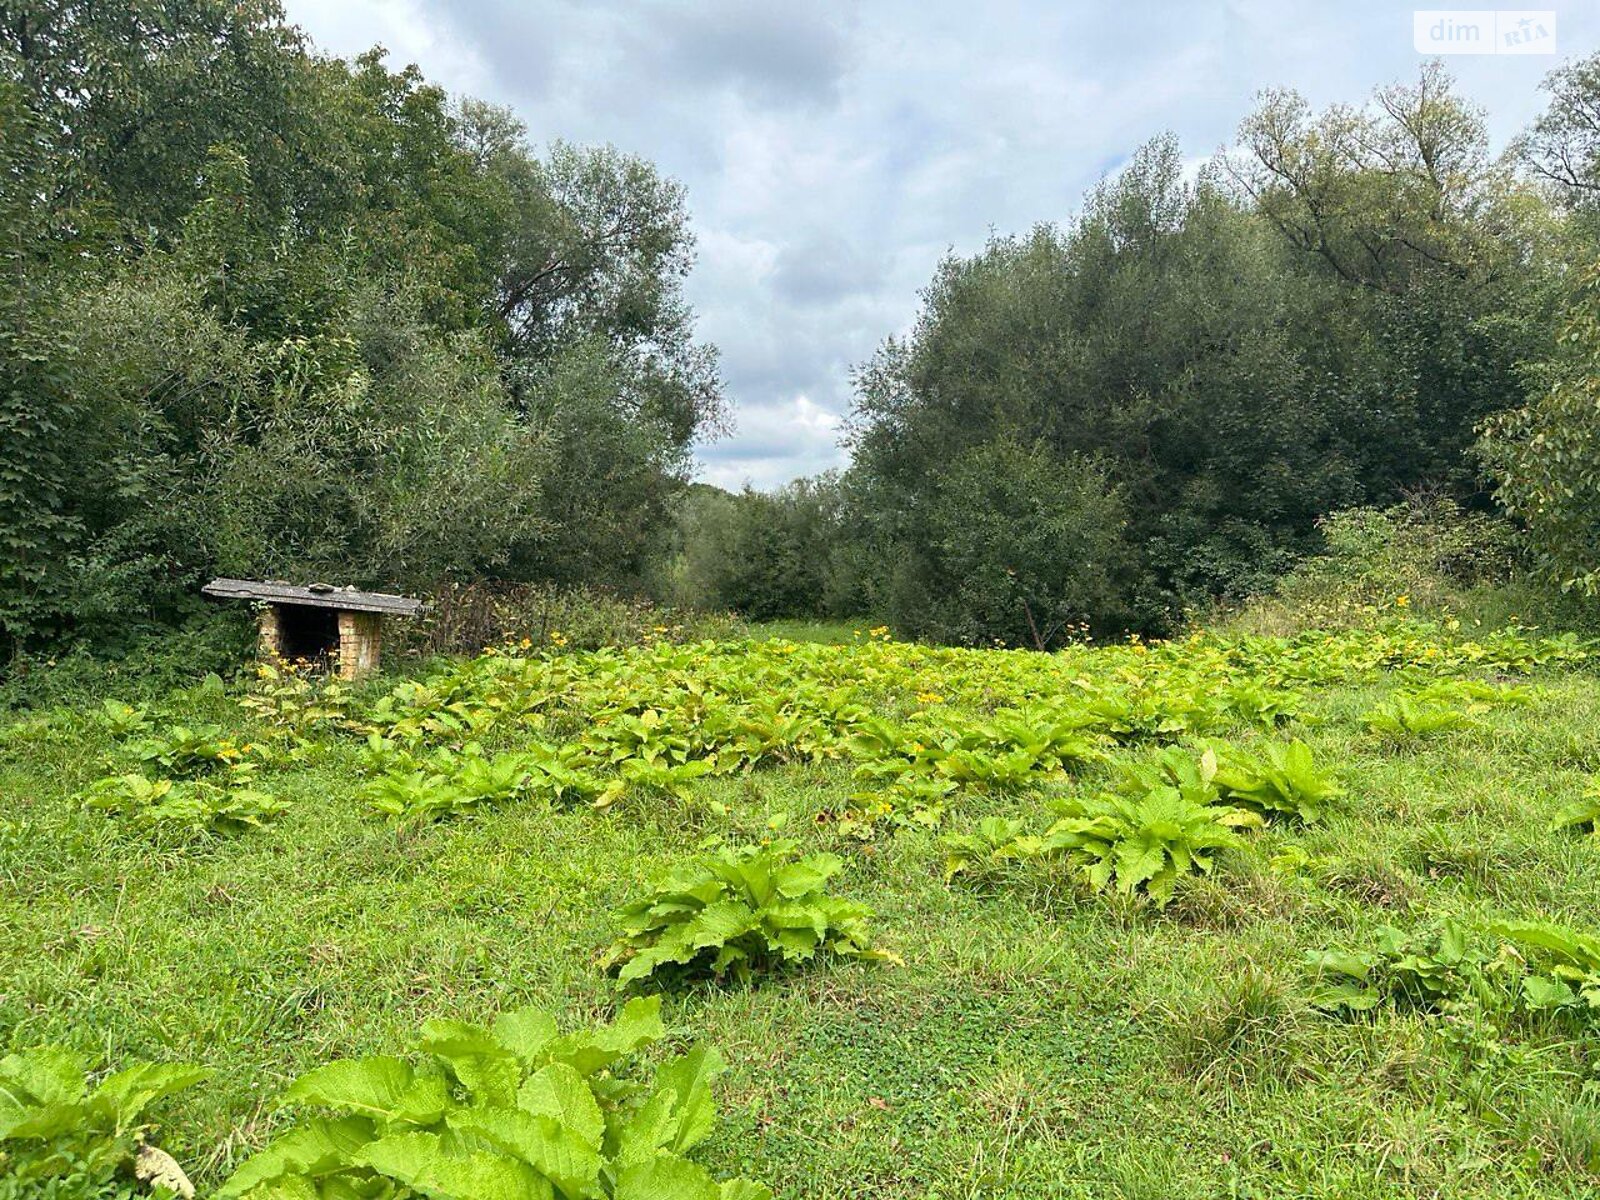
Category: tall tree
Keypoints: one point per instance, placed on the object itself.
(366, 332)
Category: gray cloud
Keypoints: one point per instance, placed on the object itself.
(834, 152)
(774, 53)
(825, 269)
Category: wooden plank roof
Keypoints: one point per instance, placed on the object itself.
(315, 595)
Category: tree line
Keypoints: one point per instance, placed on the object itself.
(1123, 418)
(272, 313)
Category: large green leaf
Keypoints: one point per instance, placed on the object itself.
(556, 1152)
(485, 1067)
(380, 1087)
(643, 964)
(688, 1078)
(666, 1177)
(48, 1074)
(792, 914)
(298, 1187)
(420, 1161)
(46, 1121)
(526, 1032)
(1138, 861)
(313, 1148)
(798, 879)
(649, 1130)
(14, 1106)
(636, 1026)
(125, 1095)
(1563, 944)
(719, 923)
(559, 1091)
(796, 943)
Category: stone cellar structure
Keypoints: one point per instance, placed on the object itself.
(340, 627)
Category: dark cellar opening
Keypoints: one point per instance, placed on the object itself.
(304, 632)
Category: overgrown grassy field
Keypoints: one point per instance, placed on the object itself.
(1032, 1034)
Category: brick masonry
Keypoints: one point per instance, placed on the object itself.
(271, 642)
(360, 637)
(360, 634)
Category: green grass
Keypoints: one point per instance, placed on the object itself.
(828, 633)
(1037, 1041)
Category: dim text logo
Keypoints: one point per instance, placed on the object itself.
(1484, 31)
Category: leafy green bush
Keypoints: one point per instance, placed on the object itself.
(197, 805)
(1022, 544)
(739, 912)
(1281, 780)
(1167, 816)
(301, 703)
(60, 1137)
(1545, 456)
(1147, 841)
(149, 666)
(1424, 971)
(1193, 774)
(1405, 719)
(1423, 556)
(450, 781)
(122, 720)
(187, 750)
(502, 1112)
(1539, 968)
(1563, 966)
(761, 554)
(1261, 704)
(995, 843)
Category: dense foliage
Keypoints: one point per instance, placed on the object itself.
(1546, 454)
(737, 912)
(60, 1136)
(1159, 403)
(1315, 323)
(307, 317)
(515, 1109)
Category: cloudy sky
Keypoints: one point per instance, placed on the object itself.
(834, 152)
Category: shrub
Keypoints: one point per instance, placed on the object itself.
(995, 843)
(147, 666)
(739, 912)
(1563, 966)
(1145, 842)
(1282, 780)
(1022, 546)
(1538, 968)
(1424, 970)
(760, 554)
(448, 781)
(198, 805)
(501, 1112)
(463, 618)
(1424, 555)
(1405, 719)
(1545, 456)
(56, 1131)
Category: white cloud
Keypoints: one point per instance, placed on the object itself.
(775, 444)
